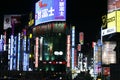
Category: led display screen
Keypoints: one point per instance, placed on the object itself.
(50, 10)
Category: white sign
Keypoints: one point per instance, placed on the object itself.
(108, 31)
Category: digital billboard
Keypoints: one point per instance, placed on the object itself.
(9, 19)
(73, 46)
(117, 4)
(113, 5)
(108, 53)
(50, 10)
(68, 50)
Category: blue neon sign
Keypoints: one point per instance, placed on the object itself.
(50, 10)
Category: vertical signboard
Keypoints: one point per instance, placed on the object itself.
(11, 51)
(118, 21)
(41, 48)
(113, 5)
(18, 54)
(36, 52)
(81, 38)
(25, 54)
(1, 43)
(5, 35)
(68, 50)
(97, 58)
(15, 53)
(31, 19)
(9, 56)
(73, 46)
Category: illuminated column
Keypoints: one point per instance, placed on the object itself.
(95, 56)
(18, 55)
(73, 46)
(28, 52)
(5, 41)
(0, 43)
(36, 52)
(11, 52)
(41, 43)
(14, 53)
(68, 51)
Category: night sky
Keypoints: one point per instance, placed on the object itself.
(84, 14)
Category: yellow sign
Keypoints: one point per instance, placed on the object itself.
(104, 21)
(111, 20)
(113, 23)
(31, 20)
(118, 21)
(99, 79)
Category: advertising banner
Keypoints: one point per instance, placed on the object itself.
(68, 51)
(113, 24)
(9, 19)
(97, 58)
(113, 5)
(108, 53)
(50, 10)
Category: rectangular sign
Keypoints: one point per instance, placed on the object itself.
(10, 19)
(113, 24)
(113, 5)
(50, 10)
(108, 53)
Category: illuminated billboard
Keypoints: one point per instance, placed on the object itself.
(50, 10)
(73, 46)
(117, 4)
(9, 19)
(108, 53)
(113, 24)
(68, 50)
(97, 57)
(113, 5)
